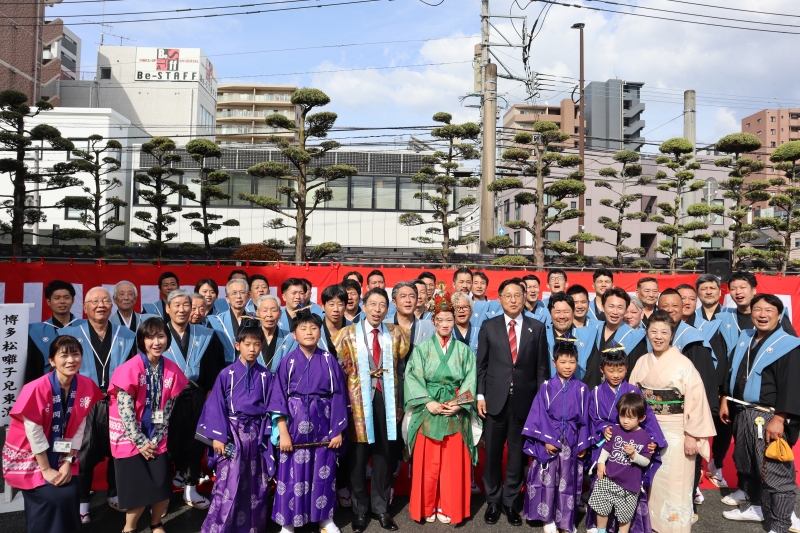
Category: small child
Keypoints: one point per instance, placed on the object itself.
(557, 437)
(309, 402)
(236, 423)
(621, 464)
(603, 417)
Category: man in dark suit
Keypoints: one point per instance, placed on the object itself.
(512, 363)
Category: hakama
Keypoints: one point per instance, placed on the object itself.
(310, 393)
(559, 417)
(236, 412)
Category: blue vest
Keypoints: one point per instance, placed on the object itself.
(42, 335)
(122, 342)
(220, 306)
(250, 307)
(114, 318)
(625, 335)
(484, 310)
(156, 309)
(283, 323)
(284, 345)
(776, 346)
(585, 336)
(199, 339)
(540, 313)
(224, 327)
(593, 312)
(728, 326)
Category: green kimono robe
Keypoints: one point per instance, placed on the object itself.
(432, 375)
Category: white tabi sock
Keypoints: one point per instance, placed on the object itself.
(287, 529)
(85, 508)
(329, 526)
(190, 494)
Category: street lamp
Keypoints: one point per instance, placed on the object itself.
(581, 132)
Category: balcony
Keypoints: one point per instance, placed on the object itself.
(249, 97)
(52, 31)
(633, 127)
(634, 109)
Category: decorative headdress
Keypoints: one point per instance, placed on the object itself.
(442, 301)
(566, 343)
(615, 354)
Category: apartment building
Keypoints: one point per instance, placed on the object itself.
(241, 109)
(24, 37)
(614, 111)
(523, 116)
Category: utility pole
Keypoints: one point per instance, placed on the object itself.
(581, 137)
(690, 118)
(488, 148)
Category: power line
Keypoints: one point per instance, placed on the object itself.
(173, 10)
(734, 9)
(764, 30)
(351, 2)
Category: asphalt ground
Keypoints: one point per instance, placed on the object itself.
(184, 519)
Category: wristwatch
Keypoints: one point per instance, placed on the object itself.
(71, 459)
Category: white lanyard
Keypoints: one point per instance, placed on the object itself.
(108, 357)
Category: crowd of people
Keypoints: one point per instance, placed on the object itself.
(605, 406)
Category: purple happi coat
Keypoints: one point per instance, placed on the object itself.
(311, 394)
(559, 417)
(602, 414)
(236, 412)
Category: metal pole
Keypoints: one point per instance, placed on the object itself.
(488, 155)
(690, 118)
(581, 145)
(488, 142)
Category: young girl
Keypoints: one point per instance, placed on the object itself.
(603, 416)
(235, 421)
(620, 466)
(557, 437)
(309, 402)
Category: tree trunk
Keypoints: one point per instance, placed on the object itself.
(96, 175)
(300, 245)
(538, 221)
(18, 209)
(205, 228)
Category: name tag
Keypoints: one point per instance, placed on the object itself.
(62, 446)
(158, 417)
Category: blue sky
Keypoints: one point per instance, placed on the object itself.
(735, 72)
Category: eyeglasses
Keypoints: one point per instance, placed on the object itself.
(462, 308)
(512, 297)
(236, 293)
(558, 278)
(95, 303)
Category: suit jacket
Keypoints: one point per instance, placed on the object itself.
(496, 371)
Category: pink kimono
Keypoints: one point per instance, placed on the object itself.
(35, 402)
(131, 377)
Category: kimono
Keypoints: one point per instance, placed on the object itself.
(155, 309)
(284, 343)
(727, 327)
(585, 343)
(603, 414)
(595, 313)
(226, 331)
(310, 394)
(122, 344)
(40, 337)
(221, 305)
(540, 313)
(285, 321)
(42, 402)
(470, 339)
(136, 320)
(765, 383)
(484, 310)
(236, 413)
(559, 417)
(675, 391)
(443, 447)
(631, 339)
(422, 329)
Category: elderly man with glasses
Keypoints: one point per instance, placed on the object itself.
(124, 296)
(227, 324)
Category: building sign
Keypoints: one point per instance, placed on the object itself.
(176, 65)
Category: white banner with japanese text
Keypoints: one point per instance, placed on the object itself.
(13, 355)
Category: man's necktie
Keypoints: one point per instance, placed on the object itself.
(376, 353)
(512, 340)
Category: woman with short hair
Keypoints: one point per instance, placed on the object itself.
(46, 431)
(143, 392)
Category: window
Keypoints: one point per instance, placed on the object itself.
(759, 121)
(772, 119)
(339, 188)
(361, 192)
(573, 205)
(747, 125)
(649, 205)
(759, 134)
(206, 119)
(772, 144)
(407, 192)
(517, 209)
(507, 210)
(105, 73)
(772, 132)
(718, 219)
(552, 236)
(386, 192)
(588, 202)
(71, 213)
(516, 238)
(797, 243)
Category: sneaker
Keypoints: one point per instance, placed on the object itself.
(345, 500)
(751, 514)
(695, 518)
(475, 489)
(714, 475)
(698, 497)
(735, 498)
(550, 527)
(795, 527)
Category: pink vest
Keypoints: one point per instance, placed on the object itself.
(132, 377)
(35, 403)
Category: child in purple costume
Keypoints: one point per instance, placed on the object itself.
(309, 402)
(557, 436)
(603, 417)
(621, 466)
